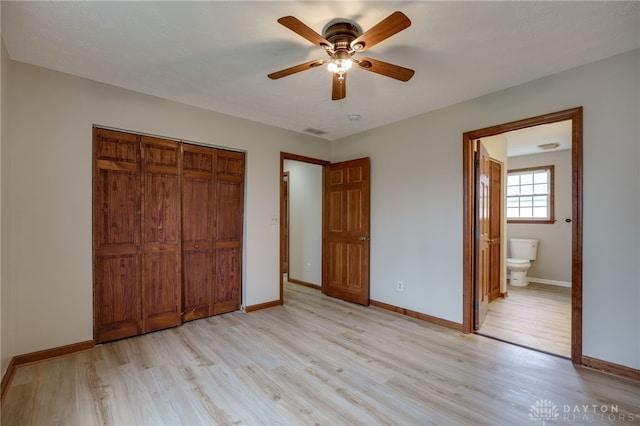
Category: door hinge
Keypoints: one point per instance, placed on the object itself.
(476, 163)
(477, 234)
(476, 306)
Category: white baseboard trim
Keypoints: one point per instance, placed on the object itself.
(550, 282)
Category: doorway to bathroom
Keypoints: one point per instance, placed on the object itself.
(530, 301)
(539, 311)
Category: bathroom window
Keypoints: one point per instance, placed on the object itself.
(530, 195)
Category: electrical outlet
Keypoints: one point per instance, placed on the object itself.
(400, 286)
(274, 220)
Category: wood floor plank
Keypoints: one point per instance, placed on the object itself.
(537, 316)
(315, 360)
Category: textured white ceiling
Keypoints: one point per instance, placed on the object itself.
(525, 141)
(217, 54)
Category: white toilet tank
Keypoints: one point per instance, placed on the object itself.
(523, 248)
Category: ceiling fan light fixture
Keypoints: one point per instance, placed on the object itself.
(340, 62)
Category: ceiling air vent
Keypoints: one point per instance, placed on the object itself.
(316, 132)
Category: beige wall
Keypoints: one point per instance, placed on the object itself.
(416, 184)
(417, 194)
(48, 227)
(6, 305)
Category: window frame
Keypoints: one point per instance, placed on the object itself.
(551, 209)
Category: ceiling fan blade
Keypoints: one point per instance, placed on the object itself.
(386, 69)
(339, 89)
(298, 27)
(384, 29)
(288, 71)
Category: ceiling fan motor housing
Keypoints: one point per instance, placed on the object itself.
(341, 35)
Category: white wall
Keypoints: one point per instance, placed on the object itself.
(46, 238)
(305, 221)
(553, 262)
(417, 195)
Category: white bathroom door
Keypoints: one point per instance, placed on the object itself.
(482, 222)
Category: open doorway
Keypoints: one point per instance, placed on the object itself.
(345, 241)
(474, 271)
(301, 220)
(530, 258)
(302, 223)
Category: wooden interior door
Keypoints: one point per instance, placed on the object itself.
(495, 221)
(483, 169)
(197, 232)
(346, 231)
(116, 235)
(161, 234)
(229, 208)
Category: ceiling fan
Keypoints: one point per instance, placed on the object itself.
(341, 41)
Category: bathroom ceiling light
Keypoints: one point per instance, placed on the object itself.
(548, 146)
(316, 132)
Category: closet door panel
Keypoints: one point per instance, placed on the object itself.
(197, 280)
(197, 217)
(228, 280)
(116, 287)
(117, 219)
(161, 207)
(229, 210)
(161, 305)
(161, 245)
(116, 236)
(229, 213)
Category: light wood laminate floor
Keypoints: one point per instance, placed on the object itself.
(316, 360)
(536, 316)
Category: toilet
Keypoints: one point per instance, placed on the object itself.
(522, 251)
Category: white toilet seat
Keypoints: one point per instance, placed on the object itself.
(518, 265)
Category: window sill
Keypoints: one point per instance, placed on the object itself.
(545, 221)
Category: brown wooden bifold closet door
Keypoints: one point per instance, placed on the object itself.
(161, 234)
(167, 233)
(229, 208)
(116, 235)
(197, 231)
